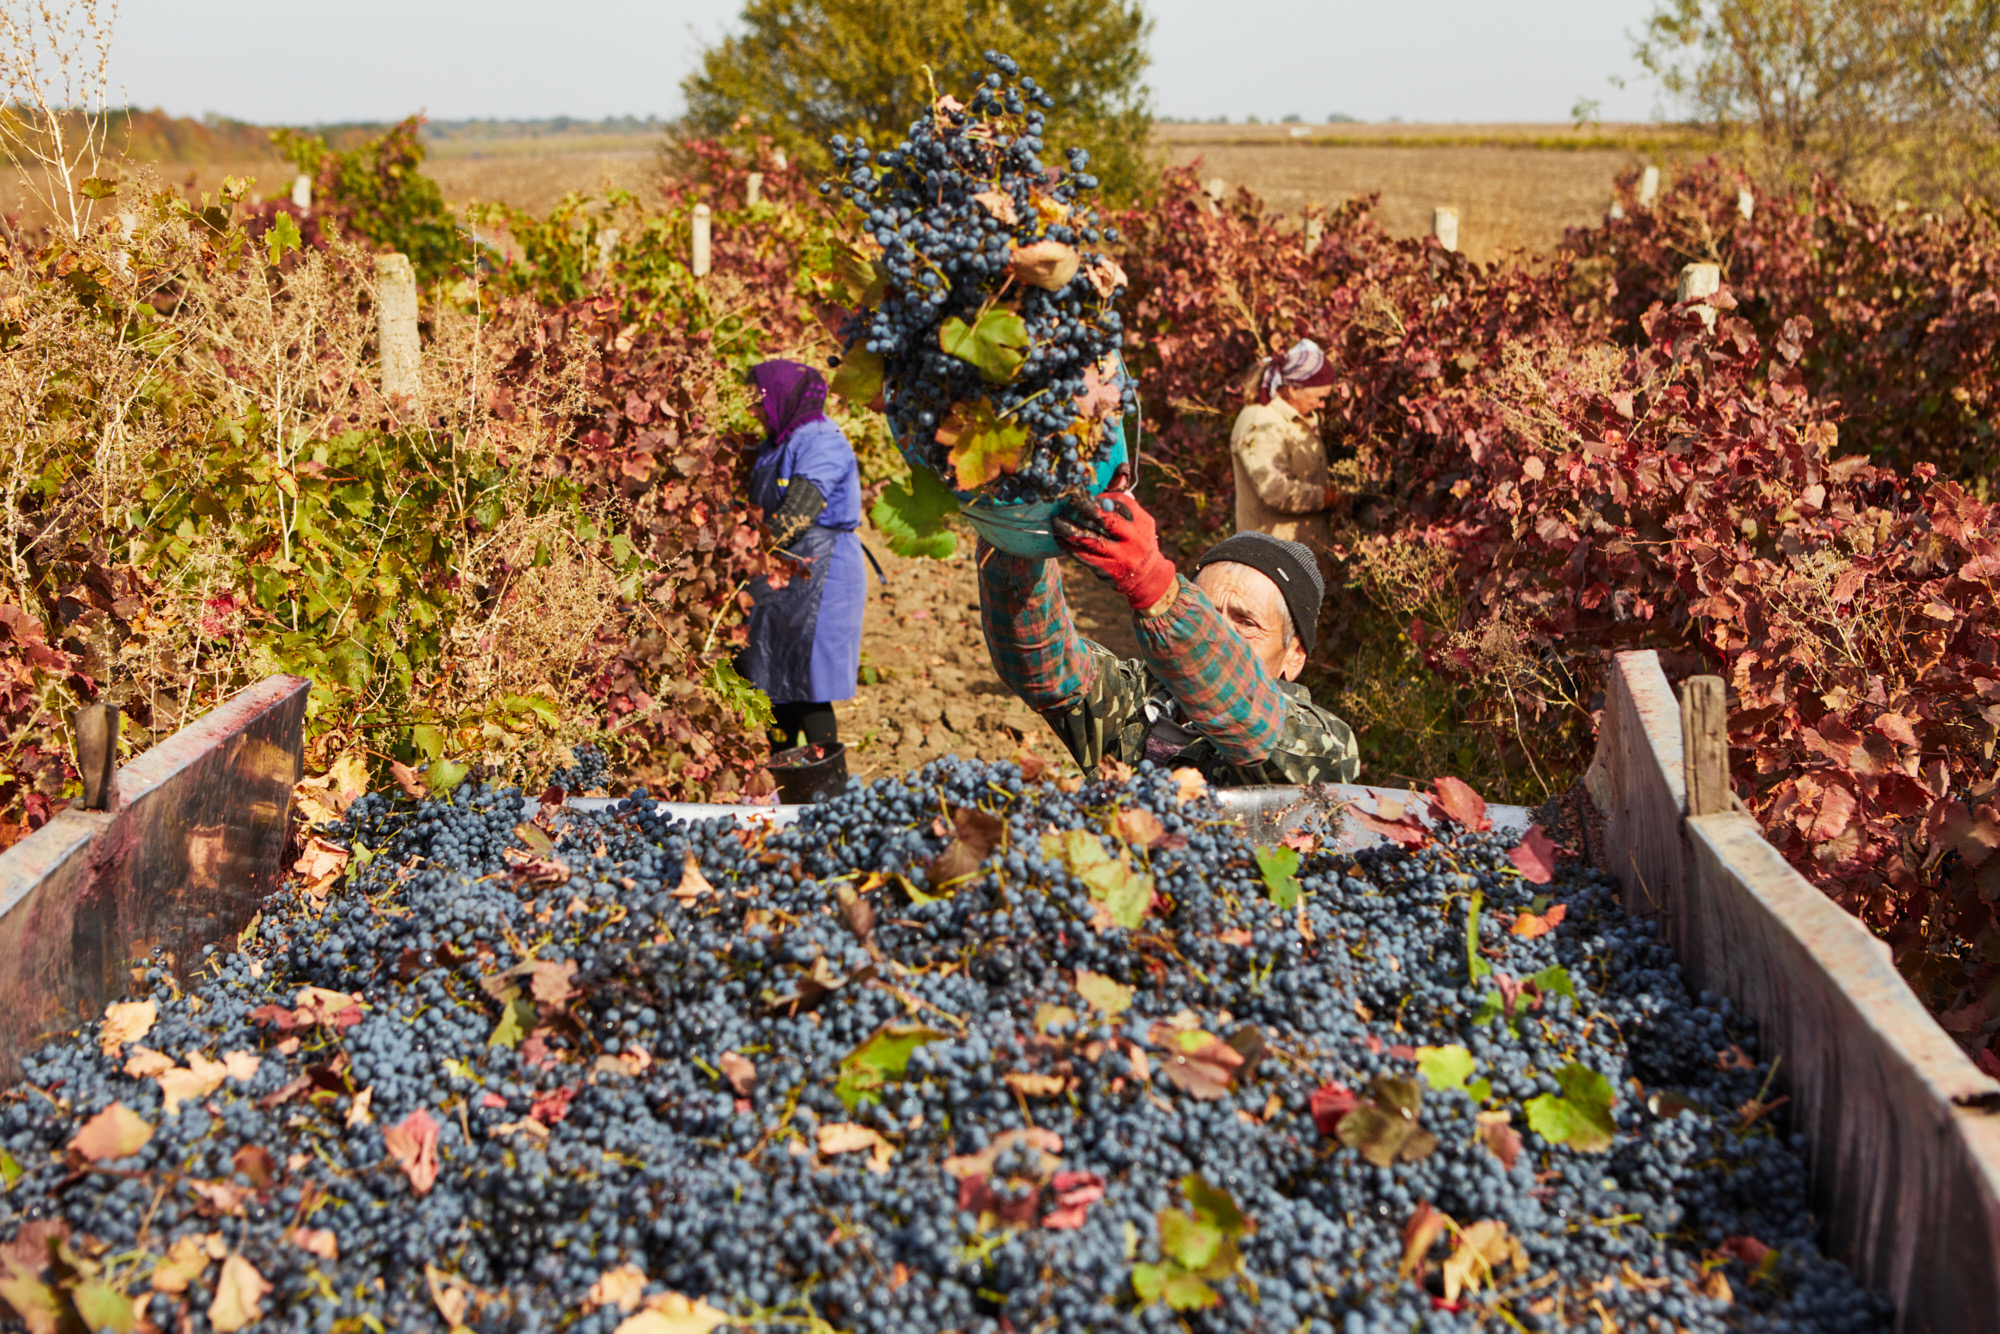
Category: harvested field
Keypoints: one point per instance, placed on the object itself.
(1515, 186)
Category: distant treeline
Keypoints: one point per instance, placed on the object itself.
(155, 136)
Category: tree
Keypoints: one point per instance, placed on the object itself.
(1898, 95)
(802, 71)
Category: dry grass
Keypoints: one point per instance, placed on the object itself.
(1507, 198)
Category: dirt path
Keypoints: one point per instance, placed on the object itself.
(936, 692)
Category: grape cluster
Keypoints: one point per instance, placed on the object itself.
(639, 1045)
(949, 206)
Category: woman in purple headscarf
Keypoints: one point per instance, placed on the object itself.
(805, 638)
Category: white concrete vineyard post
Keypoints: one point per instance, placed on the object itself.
(753, 188)
(302, 192)
(1649, 187)
(1315, 229)
(1698, 281)
(701, 255)
(396, 327)
(1617, 211)
(1746, 204)
(1444, 226)
(779, 160)
(1214, 190)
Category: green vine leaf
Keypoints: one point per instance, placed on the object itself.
(859, 376)
(882, 1058)
(1581, 1115)
(997, 343)
(912, 514)
(1280, 868)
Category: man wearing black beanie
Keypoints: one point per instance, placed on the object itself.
(1215, 687)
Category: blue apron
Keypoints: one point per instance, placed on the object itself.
(805, 638)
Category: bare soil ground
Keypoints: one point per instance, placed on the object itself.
(937, 693)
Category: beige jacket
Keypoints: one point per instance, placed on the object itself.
(1281, 475)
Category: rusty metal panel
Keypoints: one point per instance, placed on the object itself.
(1905, 1156)
(194, 845)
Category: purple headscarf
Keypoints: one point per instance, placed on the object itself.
(794, 394)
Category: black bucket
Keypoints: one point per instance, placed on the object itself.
(804, 772)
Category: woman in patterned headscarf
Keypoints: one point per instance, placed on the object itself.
(805, 638)
(1282, 485)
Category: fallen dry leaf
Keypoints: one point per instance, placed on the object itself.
(1528, 925)
(1048, 265)
(1419, 1233)
(224, 1197)
(848, 1137)
(693, 883)
(241, 1065)
(358, 1113)
(527, 1125)
(738, 1070)
(671, 1313)
(185, 1261)
(1535, 856)
(449, 1293)
(409, 780)
(239, 1296)
(200, 1078)
(144, 1063)
(316, 1241)
(1459, 803)
(622, 1287)
(1106, 276)
(321, 859)
(1406, 831)
(126, 1021)
(1141, 828)
(255, 1161)
(1074, 1193)
(1198, 1063)
(1000, 204)
(1046, 1143)
(115, 1132)
(1034, 1085)
(1500, 1137)
(412, 1142)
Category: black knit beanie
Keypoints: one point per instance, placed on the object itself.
(1289, 565)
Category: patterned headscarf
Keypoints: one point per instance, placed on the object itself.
(794, 394)
(1304, 367)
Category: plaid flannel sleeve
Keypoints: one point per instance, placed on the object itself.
(1093, 700)
(1224, 692)
(1033, 642)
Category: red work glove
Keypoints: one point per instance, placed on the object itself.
(1117, 538)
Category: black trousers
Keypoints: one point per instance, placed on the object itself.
(815, 721)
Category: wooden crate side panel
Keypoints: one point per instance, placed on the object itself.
(193, 848)
(1908, 1182)
(1636, 782)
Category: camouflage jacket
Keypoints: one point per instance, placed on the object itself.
(1196, 696)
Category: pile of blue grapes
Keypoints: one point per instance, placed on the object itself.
(638, 1051)
(946, 253)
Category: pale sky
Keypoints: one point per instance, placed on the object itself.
(1447, 60)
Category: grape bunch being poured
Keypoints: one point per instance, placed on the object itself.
(978, 314)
